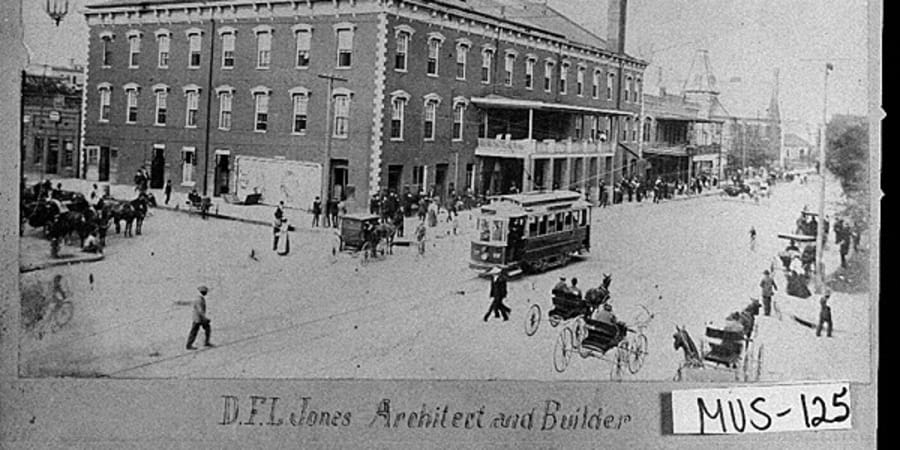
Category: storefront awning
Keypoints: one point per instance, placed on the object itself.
(496, 101)
(678, 150)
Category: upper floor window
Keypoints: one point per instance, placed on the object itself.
(487, 63)
(548, 76)
(106, 49)
(300, 102)
(261, 108)
(401, 54)
(563, 78)
(194, 47)
(459, 116)
(398, 114)
(579, 81)
(462, 56)
(610, 85)
(161, 92)
(263, 46)
(434, 53)
(344, 45)
(529, 72)
(226, 96)
(163, 40)
(629, 82)
(303, 38)
(509, 65)
(431, 104)
(228, 40)
(134, 48)
(341, 127)
(595, 84)
(579, 126)
(192, 105)
(105, 91)
(638, 89)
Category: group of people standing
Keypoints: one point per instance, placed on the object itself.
(330, 212)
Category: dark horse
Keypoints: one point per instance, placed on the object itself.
(132, 212)
(58, 224)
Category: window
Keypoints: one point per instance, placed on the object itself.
(509, 64)
(68, 153)
(261, 109)
(192, 105)
(134, 48)
(529, 73)
(226, 95)
(434, 53)
(482, 123)
(595, 123)
(487, 62)
(398, 113)
(263, 46)
(470, 176)
(38, 149)
(579, 126)
(627, 87)
(106, 49)
(162, 96)
(638, 90)
(610, 82)
(459, 115)
(300, 101)
(188, 161)
(431, 104)
(402, 50)
(418, 176)
(462, 55)
(579, 82)
(131, 105)
(634, 129)
(548, 76)
(627, 124)
(194, 45)
(105, 98)
(303, 36)
(228, 40)
(563, 78)
(163, 40)
(345, 46)
(595, 84)
(341, 113)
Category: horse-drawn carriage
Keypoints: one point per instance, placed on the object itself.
(365, 233)
(726, 352)
(735, 190)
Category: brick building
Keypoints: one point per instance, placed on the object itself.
(232, 96)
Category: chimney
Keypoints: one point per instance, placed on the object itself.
(615, 29)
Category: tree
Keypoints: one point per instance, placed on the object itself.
(847, 157)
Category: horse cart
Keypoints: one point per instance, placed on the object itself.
(726, 353)
(365, 234)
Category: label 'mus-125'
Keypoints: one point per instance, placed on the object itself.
(762, 409)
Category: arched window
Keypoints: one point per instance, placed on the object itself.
(529, 72)
(459, 116)
(434, 53)
(564, 78)
(134, 48)
(105, 92)
(548, 75)
(509, 64)
(194, 47)
(106, 39)
(402, 52)
(487, 63)
(462, 57)
(303, 38)
(163, 42)
(344, 35)
(579, 81)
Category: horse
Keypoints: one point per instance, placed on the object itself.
(132, 212)
(683, 341)
(385, 230)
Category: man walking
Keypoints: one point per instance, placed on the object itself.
(316, 211)
(824, 315)
(768, 290)
(168, 192)
(498, 293)
(752, 239)
(200, 320)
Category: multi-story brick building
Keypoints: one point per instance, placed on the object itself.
(233, 95)
(51, 120)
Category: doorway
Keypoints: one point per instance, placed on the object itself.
(440, 181)
(103, 168)
(395, 174)
(222, 174)
(158, 167)
(340, 174)
(52, 155)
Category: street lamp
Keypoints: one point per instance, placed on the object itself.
(820, 229)
(57, 10)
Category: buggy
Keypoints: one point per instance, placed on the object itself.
(361, 233)
(728, 350)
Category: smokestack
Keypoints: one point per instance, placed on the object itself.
(615, 30)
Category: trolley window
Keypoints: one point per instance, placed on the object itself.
(491, 230)
(498, 231)
(584, 217)
(551, 223)
(568, 226)
(533, 225)
(542, 225)
(560, 217)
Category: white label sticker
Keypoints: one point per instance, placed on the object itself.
(762, 409)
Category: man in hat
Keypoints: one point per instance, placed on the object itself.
(824, 314)
(200, 320)
(561, 288)
(768, 287)
(498, 293)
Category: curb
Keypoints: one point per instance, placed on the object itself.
(60, 262)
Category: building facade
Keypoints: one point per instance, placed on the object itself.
(296, 99)
(51, 121)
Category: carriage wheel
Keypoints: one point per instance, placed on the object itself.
(532, 320)
(63, 314)
(618, 363)
(638, 352)
(580, 333)
(562, 352)
(554, 320)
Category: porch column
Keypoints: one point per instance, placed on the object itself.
(530, 124)
(548, 174)
(584, 184)
(566, 174)
(527, 174)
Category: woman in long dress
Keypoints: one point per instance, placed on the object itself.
(284, 242)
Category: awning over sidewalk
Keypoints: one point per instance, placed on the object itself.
(496, 101)
(678, 150)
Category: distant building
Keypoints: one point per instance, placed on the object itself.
(486, 95)
(51, 120)
(796, 153)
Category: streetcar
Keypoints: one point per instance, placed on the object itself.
(531, 232)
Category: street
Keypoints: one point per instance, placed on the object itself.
(312, 314)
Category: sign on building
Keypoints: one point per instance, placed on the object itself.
(296, 183)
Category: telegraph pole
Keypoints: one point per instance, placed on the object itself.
(820, 229)
(326, 168)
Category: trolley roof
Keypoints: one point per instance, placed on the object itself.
(520, 205)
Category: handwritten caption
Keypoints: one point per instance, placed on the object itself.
(762, 409)
(302, 411)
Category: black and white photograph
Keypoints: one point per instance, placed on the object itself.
(601, 192)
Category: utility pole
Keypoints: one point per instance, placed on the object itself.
(326, 168)
(820, 229)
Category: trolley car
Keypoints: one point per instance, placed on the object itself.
(531, 232)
